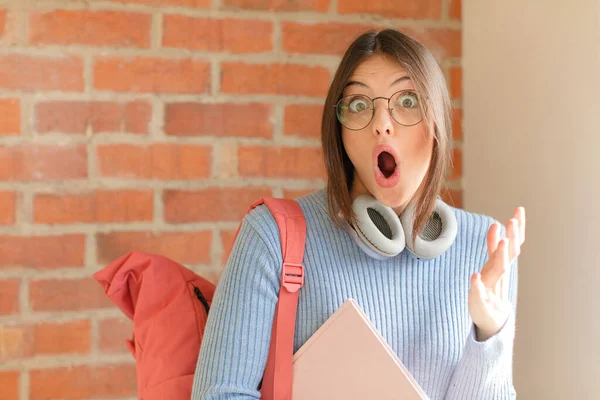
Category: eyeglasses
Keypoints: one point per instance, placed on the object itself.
(356, 111)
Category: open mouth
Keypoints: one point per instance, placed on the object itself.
(386, 164)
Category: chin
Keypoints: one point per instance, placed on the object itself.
(391, 197)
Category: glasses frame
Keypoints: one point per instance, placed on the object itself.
(391, 110)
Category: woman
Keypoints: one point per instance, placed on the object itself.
(442, 295)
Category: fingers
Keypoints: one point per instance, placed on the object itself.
(521, 219)
(496, 266)
(501, 252)
(514, 238)
(519, 215)
(493, 237)
(515, 231)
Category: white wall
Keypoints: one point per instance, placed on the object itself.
(532, 137)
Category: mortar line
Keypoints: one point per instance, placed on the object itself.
(156, 30)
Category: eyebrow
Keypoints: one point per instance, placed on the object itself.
(402, 79)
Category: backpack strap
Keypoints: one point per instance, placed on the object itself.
(277, 381)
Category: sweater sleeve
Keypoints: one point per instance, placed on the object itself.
(236, 339)
(484, 371)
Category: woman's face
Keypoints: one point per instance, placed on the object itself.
(390, 160)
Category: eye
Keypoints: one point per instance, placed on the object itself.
(408, 100)
(357, 105)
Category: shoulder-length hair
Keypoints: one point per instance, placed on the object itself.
(429, 81)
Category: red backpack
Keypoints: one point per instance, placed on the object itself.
(169, 306)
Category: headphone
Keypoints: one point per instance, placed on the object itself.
(381, 234)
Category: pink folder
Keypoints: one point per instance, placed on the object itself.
(347, 358)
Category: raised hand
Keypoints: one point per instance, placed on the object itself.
(489, 304)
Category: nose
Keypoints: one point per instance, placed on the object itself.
(382, 120)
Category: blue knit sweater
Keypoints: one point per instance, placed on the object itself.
(420, 307)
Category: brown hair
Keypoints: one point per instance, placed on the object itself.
(429, 81)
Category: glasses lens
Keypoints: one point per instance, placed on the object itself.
(406, 108)
(355, 111)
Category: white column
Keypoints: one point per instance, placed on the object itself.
(532, 137)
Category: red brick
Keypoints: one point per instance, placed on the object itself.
(228, 163)
(98, 116)
(410, 9)
(113, 334)
(9, 382)
(456, 9)
(29, 162)
(277, 5)
(67, 295)
(8, 202)
(229, 120)
(443, 43)
(457, 124)
(295, 193)
(2, 20)
(27, 340)
(10, 117)
(63, 338)
(212, 204)
(227, 240)
(37, 73)
(453, 197)
(164, 3)
(157, 161)
(325, 38)
(9, 296)
(136, 116)
(42, 251)
(10, 167)
(16, 342)
(83, 382)
(456, 169)
(281, 162)
(303, 120)
(10, 28)
(151, 75)
(230, 35)
(183, 247)
(102, 206)
(456, 82)
(285, 79)
(95, 28)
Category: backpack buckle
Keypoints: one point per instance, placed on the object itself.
(292, 276)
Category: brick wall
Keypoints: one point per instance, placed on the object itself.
(153, 124)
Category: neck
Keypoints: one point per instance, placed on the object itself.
(358, 188)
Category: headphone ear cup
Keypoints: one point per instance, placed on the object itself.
(378, 230)
(438, 234)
